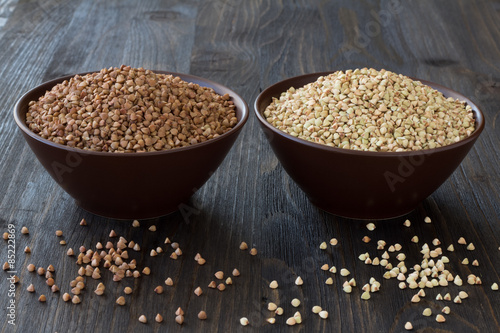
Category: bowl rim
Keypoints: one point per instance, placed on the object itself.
(478, 115)
(186, 77)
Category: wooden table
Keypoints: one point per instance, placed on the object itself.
(249, 45)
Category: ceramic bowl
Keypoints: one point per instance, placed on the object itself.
(131, 185)
(360, 184)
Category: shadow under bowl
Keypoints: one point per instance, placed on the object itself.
(361, 184)
(131, 185)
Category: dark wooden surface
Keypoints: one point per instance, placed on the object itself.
(248, 45)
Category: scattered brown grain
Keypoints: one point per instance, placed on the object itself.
(50, 282)
(202, 315)
(179, 319)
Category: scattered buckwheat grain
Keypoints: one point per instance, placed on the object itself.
(202, 315)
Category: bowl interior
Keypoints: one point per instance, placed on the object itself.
(21, 107)
(275, 90)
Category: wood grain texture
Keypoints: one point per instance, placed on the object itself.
(249, 45)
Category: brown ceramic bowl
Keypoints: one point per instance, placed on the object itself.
(131, 185)
(357, 184)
